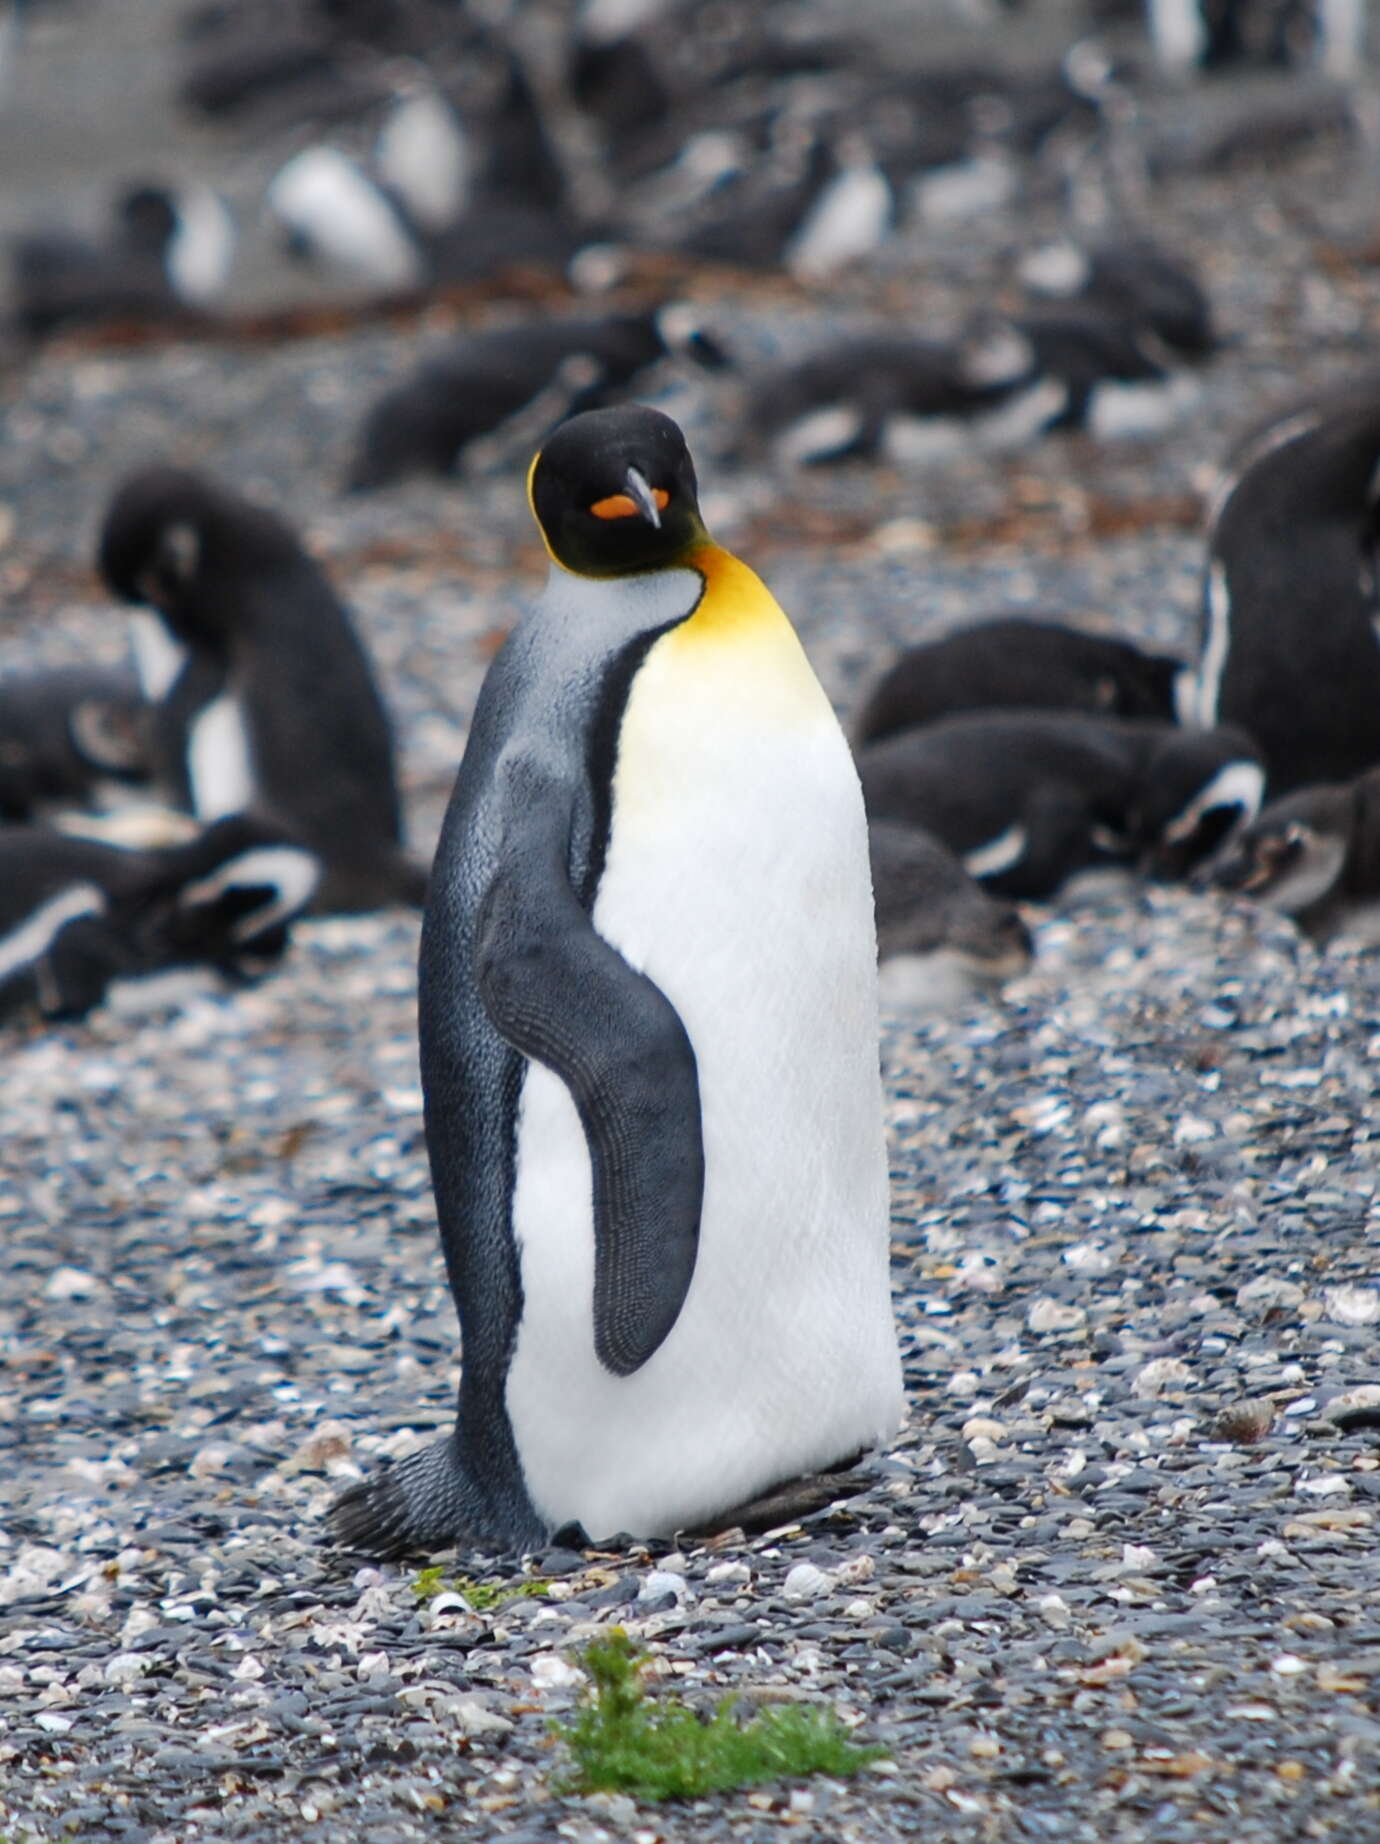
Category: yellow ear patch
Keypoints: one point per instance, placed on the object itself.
(620, 506)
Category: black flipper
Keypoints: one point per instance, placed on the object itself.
(559, 993)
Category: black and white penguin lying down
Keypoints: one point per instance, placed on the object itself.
(940, 936)
(514, 384)
(167, 252)
(1026, 798)
(67, 735)
(1020, 663)
(1313, 855)
(78, 913)
(264, 699)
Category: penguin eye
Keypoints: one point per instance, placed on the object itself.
(622, 506)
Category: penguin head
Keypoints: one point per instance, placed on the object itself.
(1199, 786)
(147, 217)
(178, 542)
(1293, 854)
(614, 493)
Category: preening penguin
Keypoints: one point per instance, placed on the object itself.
(265, 701)
(649, 1045)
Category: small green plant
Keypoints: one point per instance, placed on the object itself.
(624, 1742)
(481, 1595)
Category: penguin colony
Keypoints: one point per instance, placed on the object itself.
(649, 964)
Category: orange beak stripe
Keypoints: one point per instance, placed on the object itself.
(620, 506)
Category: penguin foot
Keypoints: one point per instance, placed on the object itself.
(785, 1503)
(419, 1503)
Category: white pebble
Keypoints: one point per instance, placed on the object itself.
(1326, 1485)
(551, 1672)
(1089, 1258)
(1054, 1611)
(805, 1582)
(1352, 1305)
(983, 1427)
(1160, 1373)
(126, 1667)
(725, 1574)
(663, 1581)
(71, 1284)
(1046, 1315)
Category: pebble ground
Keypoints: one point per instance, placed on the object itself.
(1118, 1580)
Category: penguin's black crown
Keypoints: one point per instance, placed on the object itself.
(614, 492)
(172, 539)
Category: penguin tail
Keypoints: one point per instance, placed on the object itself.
(412, 1505)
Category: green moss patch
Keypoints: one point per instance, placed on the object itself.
(481, 1595)
(624, 1741)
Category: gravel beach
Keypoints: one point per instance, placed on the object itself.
(1119, 1579)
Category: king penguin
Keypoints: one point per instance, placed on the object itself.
(648, 1019)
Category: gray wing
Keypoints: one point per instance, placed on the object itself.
(559, 993)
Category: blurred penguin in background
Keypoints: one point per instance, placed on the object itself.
(265, 699)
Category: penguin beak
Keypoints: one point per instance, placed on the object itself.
(640, 493)
(639, 499)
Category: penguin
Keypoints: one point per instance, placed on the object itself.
(860, 397)
(940, 936)
(1024, 662)
(648, 1024)
(264, 698)
(1026, 798)
(1132, 279)
(1313, 855)
(847, 221)
(436, 203)
(67, 734)
(1290, 650)
(1115, 376)
(1214, 35)
(511, 379)
(78, 913)
(167, 254)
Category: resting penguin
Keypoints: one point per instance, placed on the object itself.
(511, 378)
(65, 734)
(1290, 651)
(265, 701)
(167, 253)
(77, 913)
(649, 1045)
(1314, 855)
(1017, 661)
(1026, 798)
(940, 936)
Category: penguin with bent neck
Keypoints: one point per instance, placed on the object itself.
(648, 1016)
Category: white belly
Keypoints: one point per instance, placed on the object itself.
(737, 879)
(218, 763)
